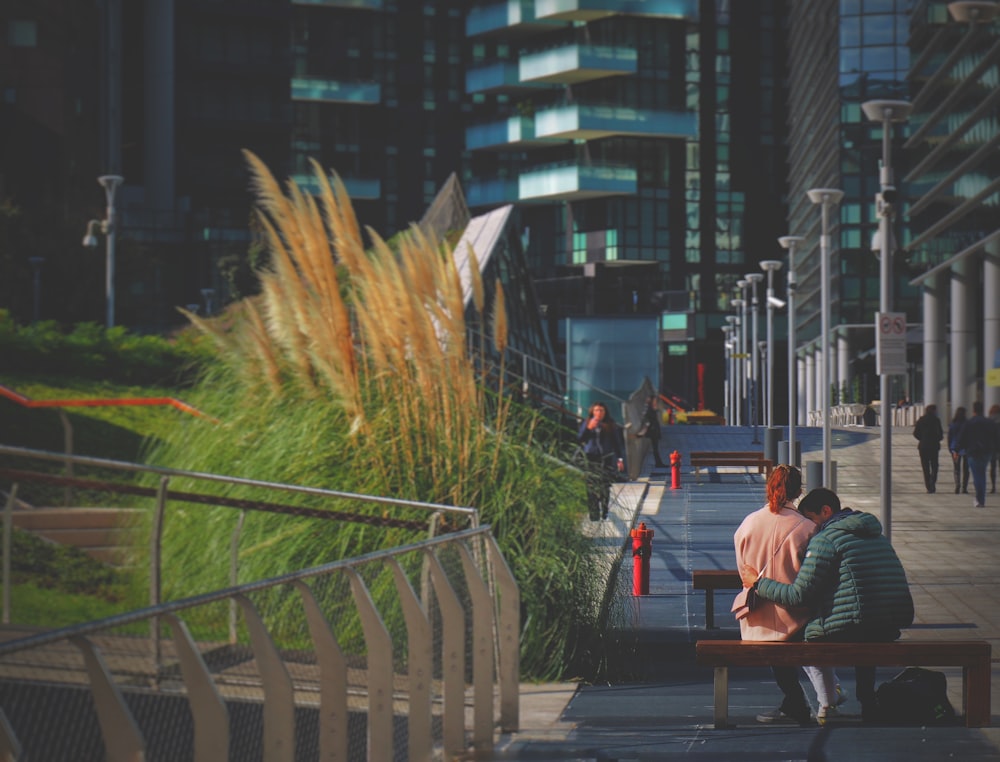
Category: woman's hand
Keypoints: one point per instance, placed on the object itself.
(748, 575)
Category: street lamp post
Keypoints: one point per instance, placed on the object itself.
(790, 242)
(108, 226)
(770, 266)
(825, 197)
(741, 305)
(732, 323)
(753, 279)
(885, 113)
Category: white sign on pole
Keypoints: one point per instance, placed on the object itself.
(890, 343)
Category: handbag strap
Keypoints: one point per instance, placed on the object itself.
(761, 572)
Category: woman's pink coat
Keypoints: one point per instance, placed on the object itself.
(777, 541)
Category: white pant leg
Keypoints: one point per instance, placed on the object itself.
(824, 682)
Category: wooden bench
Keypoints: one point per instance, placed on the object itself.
(711, 580)
(731, 458)
(973, 656)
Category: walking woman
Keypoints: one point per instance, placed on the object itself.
(773, 540)
(958, 458)
(602, 446)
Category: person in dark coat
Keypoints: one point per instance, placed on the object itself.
(601, 442)
(651, 424)
(852, 579)
(929, 433)
(976, 439)
(958, 457)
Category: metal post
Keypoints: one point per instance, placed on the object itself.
(886, 112)
(754, 279)
(110, 184)
(770, 266)
(790, 242)
(825, 197)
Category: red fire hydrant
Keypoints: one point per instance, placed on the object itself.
(642, 548)
(675, 470)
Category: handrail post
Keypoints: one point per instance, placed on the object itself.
(156, 569)
(68, 448)
(8, 531)
(234, 571)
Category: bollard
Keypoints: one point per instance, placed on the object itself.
(642, 548)
(771, 437)
(814, 475)
(675, 470)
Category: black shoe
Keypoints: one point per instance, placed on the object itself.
(956, 490)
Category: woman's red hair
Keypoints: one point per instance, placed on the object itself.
(784, 484)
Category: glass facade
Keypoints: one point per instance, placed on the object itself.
(842, 54)
(641, 176)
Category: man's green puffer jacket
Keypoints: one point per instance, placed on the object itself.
(852, 580)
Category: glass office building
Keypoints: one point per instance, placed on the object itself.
(641, 144)
(953, 184)
(843, 53)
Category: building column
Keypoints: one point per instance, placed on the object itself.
(991, 319)
(843, 365)
(810, 382)
(963, 352)
(801, 384)
(935, 367)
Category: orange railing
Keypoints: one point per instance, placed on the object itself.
(95, 402)
(60, 406)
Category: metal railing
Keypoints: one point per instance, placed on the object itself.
(341, 646)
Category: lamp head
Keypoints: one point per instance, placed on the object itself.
(737, 302)
(754, 277)
(775, 302)
(741, 283)
(881, 111)
(825, 195)
(973, 12)
(790, 241)
(770, 265)
(90, 237)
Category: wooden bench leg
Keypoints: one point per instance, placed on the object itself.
(709, 609)
(721, 698)
(977, 695)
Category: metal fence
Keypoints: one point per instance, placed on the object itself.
(406, 653)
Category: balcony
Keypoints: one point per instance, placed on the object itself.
(490, 192)
(571, 64)
(591, 10)
(497, 76)
(575, 182)
(583, 122)
(361, 5)
(509, 17)
(329, 91)
(513, 133)
(358, 188)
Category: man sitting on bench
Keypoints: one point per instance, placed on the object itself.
(852, 580)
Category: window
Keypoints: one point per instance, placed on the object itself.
(22, 34)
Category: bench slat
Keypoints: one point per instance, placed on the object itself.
(974, 656)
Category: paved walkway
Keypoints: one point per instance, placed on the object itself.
(947, 547)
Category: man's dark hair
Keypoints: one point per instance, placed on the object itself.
(977, 408)
(817, 498)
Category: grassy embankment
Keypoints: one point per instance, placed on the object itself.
(350, 372)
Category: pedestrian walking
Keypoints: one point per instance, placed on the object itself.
(928, 432)
(958, 459)
(977, 439)
(601, 442)
(650, 428)
(995, 417)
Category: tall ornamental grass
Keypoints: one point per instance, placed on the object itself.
(350, 371)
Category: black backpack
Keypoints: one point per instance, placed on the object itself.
(915, 696)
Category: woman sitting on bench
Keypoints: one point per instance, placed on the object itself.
(774, 539)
